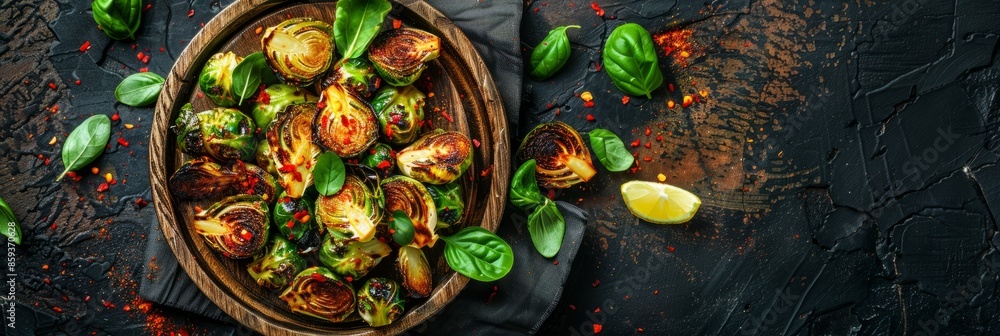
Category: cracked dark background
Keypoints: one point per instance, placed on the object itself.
(846, 155)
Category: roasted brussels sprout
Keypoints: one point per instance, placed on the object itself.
(349, 257)
(562, 158)
(345, 124)
(381, 158)
(353, 212)
(293, 217)
(263, 157)
(449, 203)
(278, 266)
(320, 293)
(222, 133)
(236, 226)
(437, 158)
(292, 149)
(356, 75)
(309, 242)
(415, 271)
(380, 302)
(275, 99)
(407, 195)
(400, 112)
(216, 79)
(299, 50)
(399, 54)
(201, 178)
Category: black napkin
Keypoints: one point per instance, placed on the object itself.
(520, 302)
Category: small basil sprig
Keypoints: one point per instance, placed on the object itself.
(546, 224)
(356, 24)
(329, 174)
(524, 191)
(478, 254)
(550, 55)
(249, 74)
(402, 228)
(85, 143)
(610, 150)
(630, 60)
(118, 18)
(139, 89)
(11, 228)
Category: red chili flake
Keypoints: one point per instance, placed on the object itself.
(388, 132)
(635, 143)
(597, 8)
(301, 216)
(162, 50)
(121, 141)
(290, 224)
(318, 277)
(396, 23)
(640, 330)
(588, 104)
(133, 46)
(597, 310)
(446, 116)
(71, 174)
(47, 161)
(648, 131)
(597, 67)
(551, 194)
(85, 46)
(556, 262)
(287, 168)
(670, 249)
(656, 292)
(659, 137)
(140, 55)
(77, 82)
(475, 143)
(144, 69)
(52, 85)
(625, 100)
(86, 299)
(57, 309)
(572, 307)
(265, 98)
(647, 159)
(108, 305)
(140, 202)
(385, 164)
(148, 6)
(321, 104)
(590, 117)
(598, 328)
(687, 101)
(191, 13)
(145, 60)
(670, 87)
(596, 282)
(548, 106)
(115, 117)
(246, 235)
(200, 95)
(102, 188)
(648, 144)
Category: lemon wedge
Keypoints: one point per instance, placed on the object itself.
(659, 203)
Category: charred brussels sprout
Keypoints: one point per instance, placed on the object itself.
(415, 271)
(380, 302)
(263, 157)
(399, 54)
(437, 158)
(222, 133)
(352, 258)
(292, 149)
(275, 99)
(356, 75)
(201, 178)
(235, 226)
(278, 266)
(216, 79)
(353, 212)
(381, 158)
(409, 196)
(299, 50)
(448, 199)
(562, 158)
(293, 217)
(400, 112)
(345, 124)
(320, 293)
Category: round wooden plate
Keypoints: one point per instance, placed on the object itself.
(465, 99)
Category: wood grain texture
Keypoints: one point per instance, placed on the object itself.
(463, 89)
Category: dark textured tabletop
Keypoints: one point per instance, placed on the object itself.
(846, 154)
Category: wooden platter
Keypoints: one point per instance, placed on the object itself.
(465, 99)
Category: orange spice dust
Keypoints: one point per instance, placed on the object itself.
(676, 43)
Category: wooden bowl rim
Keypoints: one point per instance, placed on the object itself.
(229, 21)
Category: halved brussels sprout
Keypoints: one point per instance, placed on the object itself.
(381, 158)
(380, 302)
(353, 212)
(222, 133)
(352, 258)
(345, 124)
(236, 226)
(561, 156)
(216, 79)
(263, 157)
(278, 266)
(408, 195)
(399, 54)
(354, 74)
(299, 50)
(437, 158)
(449, 202)
(400, 112)
(292, 149)
(201, 178)
(416, 272)
(275, 99)
(293, 217)
(320, 293)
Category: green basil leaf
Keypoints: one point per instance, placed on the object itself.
(546, 226)
(524, 192)
(356, 24)
(10, 228)
(139, 89)
(550, 55)
(85, 143)
(630, 59)
(610, 150)
(329, 174)
(402, 228)
(478, 253)
(246, 76)
(119, 19)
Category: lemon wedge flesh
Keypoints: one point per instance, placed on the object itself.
(659, 203)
